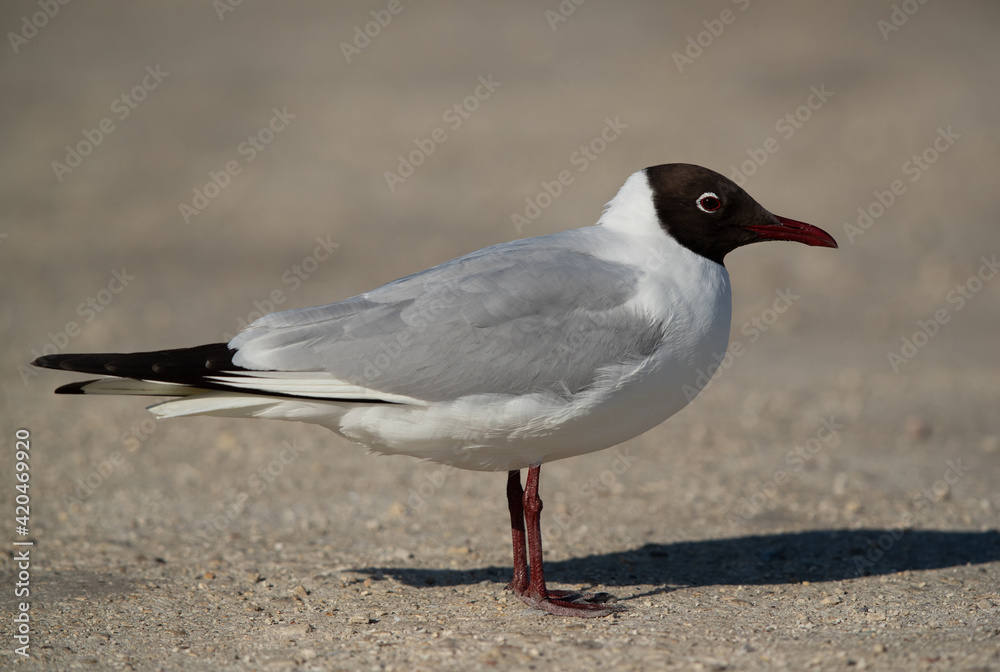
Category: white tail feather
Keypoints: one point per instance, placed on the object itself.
(311, 384)
(212, 403)
(137, 387)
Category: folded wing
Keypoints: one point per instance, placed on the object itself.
(517, 318)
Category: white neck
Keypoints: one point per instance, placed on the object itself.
(631, 210)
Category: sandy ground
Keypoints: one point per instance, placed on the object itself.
(829, 502)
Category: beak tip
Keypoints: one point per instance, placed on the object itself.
(800, 232)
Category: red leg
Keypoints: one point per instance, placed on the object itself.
(515, 496)
(562, 603)
(533, 516)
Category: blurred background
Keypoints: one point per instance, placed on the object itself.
(171, 170)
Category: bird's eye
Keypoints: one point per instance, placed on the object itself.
(708, 202)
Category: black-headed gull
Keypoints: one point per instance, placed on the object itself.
(518, 354)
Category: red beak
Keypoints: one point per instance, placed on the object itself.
(789, 229)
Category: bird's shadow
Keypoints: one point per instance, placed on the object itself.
(815, 556)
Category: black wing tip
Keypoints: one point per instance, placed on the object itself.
(180, 366)
(48, 361)
(74, 388)
(178, 362)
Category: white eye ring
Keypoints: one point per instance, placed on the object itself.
(705, 196)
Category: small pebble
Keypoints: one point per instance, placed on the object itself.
(917, 428)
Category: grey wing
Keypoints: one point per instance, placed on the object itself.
(515, 318)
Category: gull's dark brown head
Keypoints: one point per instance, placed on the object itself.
(709, 214)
